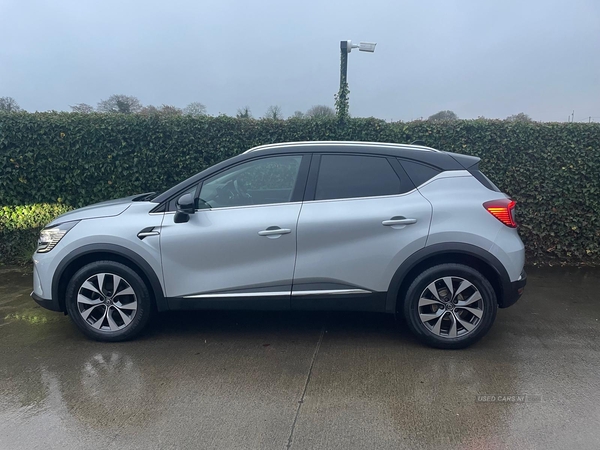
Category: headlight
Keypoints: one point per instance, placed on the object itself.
(51, 236)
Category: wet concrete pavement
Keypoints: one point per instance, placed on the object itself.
(239, 380)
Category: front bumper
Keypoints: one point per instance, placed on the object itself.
(50, 304)
(514, 291)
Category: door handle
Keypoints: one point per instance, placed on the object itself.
(148, 231)
(398, 220)
(274, 231)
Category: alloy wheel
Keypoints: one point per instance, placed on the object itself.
(451, 307)
(107, 302)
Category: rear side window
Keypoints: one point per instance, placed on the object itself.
(351, 176)
(418, 172)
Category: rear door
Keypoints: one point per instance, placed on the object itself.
(361, 218)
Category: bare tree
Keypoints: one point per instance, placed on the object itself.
(521, 117)
(443, 115)
(298, 115)
(244, 113)
(149, 110)
(273, 113)
(163, 110)
(169, 110)
(320, 111)
(123, 104)
(195, 109)
(9, 104)
(82, 108)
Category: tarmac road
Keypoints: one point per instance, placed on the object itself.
(240, 380)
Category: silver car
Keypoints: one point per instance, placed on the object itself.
(399, 229)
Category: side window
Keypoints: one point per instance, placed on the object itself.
(419, 173)
(349, 176)
(258, 182)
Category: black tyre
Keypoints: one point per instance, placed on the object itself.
(450, 306)
(108, 301)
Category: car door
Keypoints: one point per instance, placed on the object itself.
(239, 246)
(362, 217)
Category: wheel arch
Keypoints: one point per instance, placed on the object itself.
(452, 252)
(105, 252)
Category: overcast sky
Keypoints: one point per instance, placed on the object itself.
(477, 58)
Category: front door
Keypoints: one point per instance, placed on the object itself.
(240, 245)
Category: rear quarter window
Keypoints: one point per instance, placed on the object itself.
(418, 172)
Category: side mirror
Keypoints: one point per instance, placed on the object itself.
(185, 207)
(185, 204)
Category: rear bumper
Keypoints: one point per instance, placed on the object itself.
(515, 290)
(50, 304)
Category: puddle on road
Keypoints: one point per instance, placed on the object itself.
(15, 303)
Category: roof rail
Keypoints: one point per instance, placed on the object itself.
(347, 143)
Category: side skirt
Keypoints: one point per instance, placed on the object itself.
(256, 303)
(374, 301)
(371, 301)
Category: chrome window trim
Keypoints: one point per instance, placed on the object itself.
(249, 206)
(360, 198)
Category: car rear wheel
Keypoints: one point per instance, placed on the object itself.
(108, 301)
(450, 306)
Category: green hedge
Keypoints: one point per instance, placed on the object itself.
(551, 169)
(20, 227)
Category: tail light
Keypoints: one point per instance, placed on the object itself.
(503, 210)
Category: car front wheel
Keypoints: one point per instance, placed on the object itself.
(108, 301)
(450, 306)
